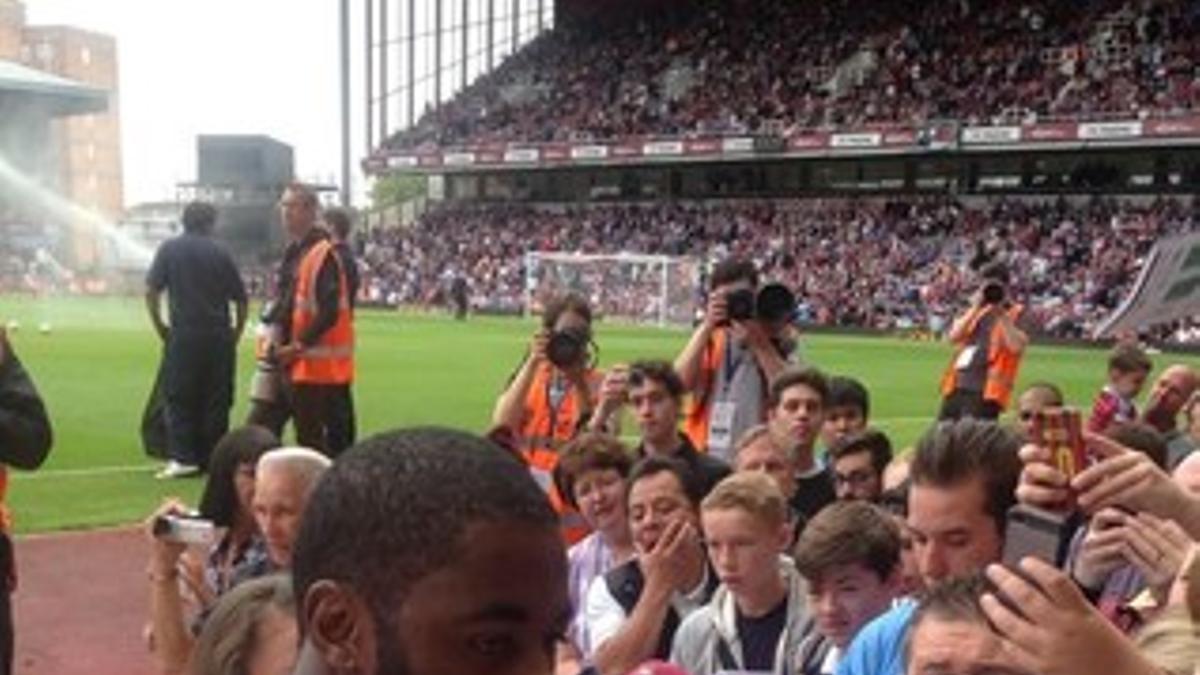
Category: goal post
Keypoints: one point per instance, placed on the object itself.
(636, 288)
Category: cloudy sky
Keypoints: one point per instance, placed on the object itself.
(216, 66)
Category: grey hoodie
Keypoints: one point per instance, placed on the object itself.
(800, 648)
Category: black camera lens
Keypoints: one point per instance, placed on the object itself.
(739, 304)
(775, 303)
(567, 348)
(993, 293)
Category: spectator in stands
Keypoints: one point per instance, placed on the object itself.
(592, 473)
(1173, 388)
(846, 412)
(251, 631)
(796, 407)
(634, 612)
(759, 618)
(1128, 368)
(201, 282)
(963, 479)
(551, 396)
(857, 462)
(1036, 398)
(850, 556)
(228, 503)
(950, 633)
(429, 551)
(655, 393)
(988, 348)
(728, 363)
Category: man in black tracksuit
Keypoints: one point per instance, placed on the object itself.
(201, 281)
(25, 439)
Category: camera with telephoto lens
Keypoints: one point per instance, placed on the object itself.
(568, 348)
(772, 303)
(183, 528)
(993, 293)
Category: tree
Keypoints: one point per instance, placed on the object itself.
(393, 189)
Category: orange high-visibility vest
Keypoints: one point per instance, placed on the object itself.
(546, 428)
(699, 405)
(5, 514)
(1002, 363)
(331, 360)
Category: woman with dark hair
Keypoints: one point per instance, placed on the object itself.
(226, 501)
(251, 631)
(237, 548)
(551, 396)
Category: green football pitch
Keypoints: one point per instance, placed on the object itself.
(96, 365)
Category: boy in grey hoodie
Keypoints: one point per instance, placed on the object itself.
(758, 619)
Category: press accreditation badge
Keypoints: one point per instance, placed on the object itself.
(965, 357)
(720, 425)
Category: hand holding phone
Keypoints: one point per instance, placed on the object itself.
(1060, 430)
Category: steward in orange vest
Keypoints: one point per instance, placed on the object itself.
(316, 317)
(546, 405)
(979, 380)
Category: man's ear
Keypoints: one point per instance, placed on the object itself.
(783, 537)
(338, 624)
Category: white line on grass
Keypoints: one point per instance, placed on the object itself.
(17, 475)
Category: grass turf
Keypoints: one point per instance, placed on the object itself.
(96, 366)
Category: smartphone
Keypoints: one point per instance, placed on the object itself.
(1037, 533)
(1060, 430)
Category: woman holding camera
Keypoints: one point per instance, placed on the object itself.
(551, 396)
(225, 510)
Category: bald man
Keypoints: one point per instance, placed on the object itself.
(1171, 391)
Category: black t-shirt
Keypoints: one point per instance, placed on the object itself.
(760, 637)
(813, 493)
(707, 469)
(200, 279)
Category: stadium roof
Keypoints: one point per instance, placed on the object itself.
(60, 95)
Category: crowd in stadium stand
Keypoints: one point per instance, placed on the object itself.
(742, 67)
(889, 264)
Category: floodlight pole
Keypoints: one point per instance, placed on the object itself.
(344, 58)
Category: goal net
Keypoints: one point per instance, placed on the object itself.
(655, 289)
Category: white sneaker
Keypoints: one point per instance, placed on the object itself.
(175, 469)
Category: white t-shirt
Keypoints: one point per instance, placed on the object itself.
(605, 615)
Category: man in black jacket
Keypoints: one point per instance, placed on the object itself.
(25, 439)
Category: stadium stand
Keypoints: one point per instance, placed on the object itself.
(896, 264)
(726, 66)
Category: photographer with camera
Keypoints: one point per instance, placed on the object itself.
(988, 348)
(744, 341)
(551, 397)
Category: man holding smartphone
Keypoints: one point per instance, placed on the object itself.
(988, 348)
(963, 479)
